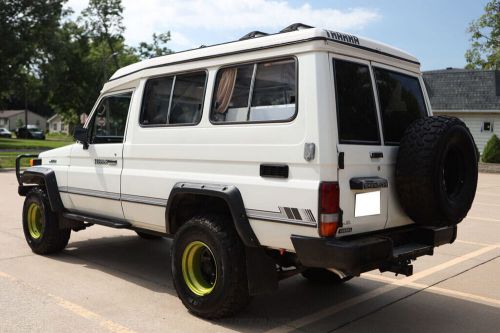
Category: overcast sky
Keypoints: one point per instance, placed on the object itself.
(432, 30)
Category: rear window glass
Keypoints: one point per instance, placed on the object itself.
(259, 92)
(401, 102)
(173, 100)
(356, 112)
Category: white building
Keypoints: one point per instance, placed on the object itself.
(12, 119)
(471, 95)
(57, 125)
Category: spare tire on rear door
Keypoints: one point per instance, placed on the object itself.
(436, 171)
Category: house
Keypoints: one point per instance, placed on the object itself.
(12, 119)
(57, 125)
(471, 95)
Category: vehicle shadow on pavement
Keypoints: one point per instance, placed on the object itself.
(147, 263)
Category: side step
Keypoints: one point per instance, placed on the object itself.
(411, 251)
(112, 223)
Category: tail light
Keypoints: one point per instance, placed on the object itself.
(329, 210)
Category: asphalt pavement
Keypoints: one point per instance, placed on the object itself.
(110, 280)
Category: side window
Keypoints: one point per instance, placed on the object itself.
(187, 101)
(173, 100)
(108, 122)
(259, 92)
(356, 112)
(401, 102)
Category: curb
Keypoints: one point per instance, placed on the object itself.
(489, 167)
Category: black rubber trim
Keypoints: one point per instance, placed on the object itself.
(361, 253)
(42, 177)
(230, 194)
(363, 183)
(264, 48)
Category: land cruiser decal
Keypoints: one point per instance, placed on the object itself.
(105, 162)
(338, 36)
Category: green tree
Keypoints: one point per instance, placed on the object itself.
(491, 152)
(27, 30)
(103, 21)
(485, 39)
(155, 49)
(84, 60)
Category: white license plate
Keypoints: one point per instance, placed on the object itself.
(367, 204)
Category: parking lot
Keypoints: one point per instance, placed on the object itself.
(111, 280)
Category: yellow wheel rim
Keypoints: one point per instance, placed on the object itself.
(199, 268)
(35, 221)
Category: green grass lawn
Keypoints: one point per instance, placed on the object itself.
(8, 160)
(26, 144)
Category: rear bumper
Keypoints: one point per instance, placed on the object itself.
(357, 254)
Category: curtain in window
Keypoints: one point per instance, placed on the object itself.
(225, 89)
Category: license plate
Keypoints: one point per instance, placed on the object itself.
(367, 204)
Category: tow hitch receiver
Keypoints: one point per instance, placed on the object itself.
(403, 267)
(400, 263)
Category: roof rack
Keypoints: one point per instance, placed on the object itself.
(254, 34)
(296, 27)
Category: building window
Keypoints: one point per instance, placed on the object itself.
(54, 127)
(62, 127)
(487, 126)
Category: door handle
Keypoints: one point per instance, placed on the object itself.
(376, 154)
(274, 170)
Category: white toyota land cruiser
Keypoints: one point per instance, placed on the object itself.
(306, 151)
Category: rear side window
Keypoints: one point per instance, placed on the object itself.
(173, 100)
(401, 102)
(260, 92)
(356, 112)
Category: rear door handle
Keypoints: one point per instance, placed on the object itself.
(376, 154)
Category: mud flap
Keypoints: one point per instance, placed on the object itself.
(261, 271)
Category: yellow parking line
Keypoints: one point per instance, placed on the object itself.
(75, 308)
(474, 243)
(489, 193)
(486, 204)
(482, 219)
(306, 320)
(443, 291)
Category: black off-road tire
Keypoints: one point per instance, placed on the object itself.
(436, 171)
(323, 276)
(52, 239)
(145, 235)
(230, 293)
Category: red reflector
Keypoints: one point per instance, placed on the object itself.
(329, 208)
(328, 229)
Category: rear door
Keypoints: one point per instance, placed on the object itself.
(401, 101)
(364, 187)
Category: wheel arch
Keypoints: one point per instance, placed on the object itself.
(42, 177)
(227, 195)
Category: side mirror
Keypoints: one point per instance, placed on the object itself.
(82, 134)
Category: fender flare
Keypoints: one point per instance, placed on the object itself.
(45, 177)
(230, 194)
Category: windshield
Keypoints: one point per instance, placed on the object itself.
(34, 129)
